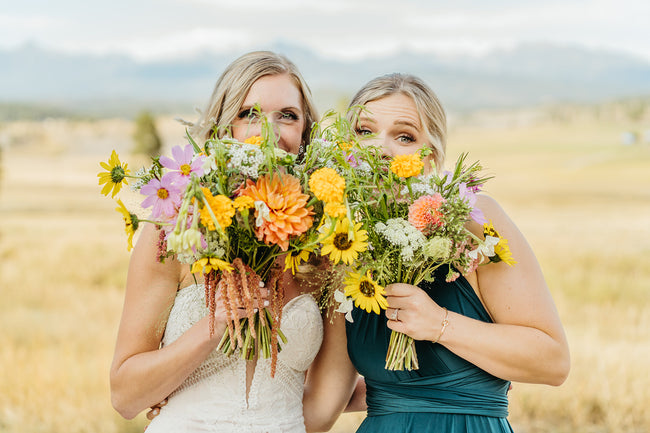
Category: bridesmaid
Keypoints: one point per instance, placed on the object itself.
(474, 335)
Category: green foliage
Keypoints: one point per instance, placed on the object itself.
(146, 139)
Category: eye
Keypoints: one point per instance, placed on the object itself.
(363, 131)
(248, 113)
(406, 138)
(288, 115)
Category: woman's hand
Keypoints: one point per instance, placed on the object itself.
(412, 312)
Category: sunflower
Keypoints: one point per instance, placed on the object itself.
(281, 196)
(131, 222)
(295, 258)
(116, 175)
(407, 165)
(327, 185)
(206, 264)
(367, 294)
(501, 249)
(345, 243)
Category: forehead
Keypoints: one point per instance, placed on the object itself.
(277, 91)
(395, 108)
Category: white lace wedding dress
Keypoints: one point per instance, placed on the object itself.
(213, 398)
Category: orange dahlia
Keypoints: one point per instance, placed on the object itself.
(424, 214)
(287, 205)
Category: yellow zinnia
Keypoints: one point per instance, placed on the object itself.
(367, 294)
(407, 165)
(207, 264)
(243, 202)
(131, 222)
(222, 208)
(501, 249)
(115, 176)
(327, 185)
(335, 210)
(345, 243)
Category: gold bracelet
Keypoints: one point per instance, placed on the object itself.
(445, 322)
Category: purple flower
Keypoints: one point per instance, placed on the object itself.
(352, 159)
(164, 195)
(182, 165)
(470, 198)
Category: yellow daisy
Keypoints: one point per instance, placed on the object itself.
(407, 165)
(345, 243)
(327, 185)
(501, 249)
(295, 258)
(131, 222)
(115, 176)
(367, 294)
(207, 264)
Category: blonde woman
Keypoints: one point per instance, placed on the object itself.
(164, 349)
(473, 335)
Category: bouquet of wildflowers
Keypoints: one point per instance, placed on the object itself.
(229, 209)
(399, 225)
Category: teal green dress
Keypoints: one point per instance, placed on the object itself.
(446, 394)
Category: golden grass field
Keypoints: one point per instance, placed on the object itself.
(581, 198)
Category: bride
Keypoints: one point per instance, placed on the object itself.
(164, 349)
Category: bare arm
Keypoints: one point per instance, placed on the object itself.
(331, 379)
(141, 373)
(526, 343)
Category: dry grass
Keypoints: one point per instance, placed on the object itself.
(581, 198)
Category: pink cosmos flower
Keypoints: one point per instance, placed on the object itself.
(164, 195)
(182, 165)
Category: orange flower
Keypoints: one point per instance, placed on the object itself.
(255, 139)
(424, 214)
(407, 165)
(222, 209)
(288, 213)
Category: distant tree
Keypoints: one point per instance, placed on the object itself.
(146, 139)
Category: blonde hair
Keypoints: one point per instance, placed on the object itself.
(234, 84)
(430, 110)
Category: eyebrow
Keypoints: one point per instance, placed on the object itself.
(290, 107)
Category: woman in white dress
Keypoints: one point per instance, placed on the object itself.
(164, 349)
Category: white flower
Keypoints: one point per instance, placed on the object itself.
(262, 213)
(345, 305)
(485, 248)
(437, 248)
(400, 233)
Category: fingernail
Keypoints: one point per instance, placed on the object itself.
(255, 310)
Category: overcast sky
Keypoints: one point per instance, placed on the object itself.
(158, 29)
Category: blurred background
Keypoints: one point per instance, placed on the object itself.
(553, 97)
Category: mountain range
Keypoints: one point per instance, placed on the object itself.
(528, 74)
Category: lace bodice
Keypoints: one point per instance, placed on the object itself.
(213, 398)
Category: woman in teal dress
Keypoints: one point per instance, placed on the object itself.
(474, 335)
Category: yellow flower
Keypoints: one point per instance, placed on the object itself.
(255, 139)
(345, 145)
(243, 202)
(407, 165)
(131, 222)
(367, 294)
(294, 258)
(206, 264)
(335, 210)
(115, 176)
(345, 243)
(222, 208)
(501, 249)
(327, 185)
